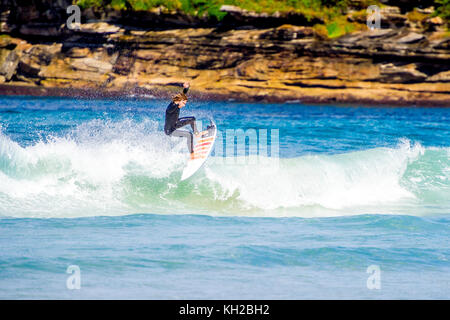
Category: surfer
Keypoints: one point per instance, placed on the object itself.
(174, 123)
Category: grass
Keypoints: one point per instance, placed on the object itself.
(331, 12)
(443, 9)
(310, 8)
(416, 16)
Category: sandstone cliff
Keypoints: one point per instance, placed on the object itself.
(247, 57)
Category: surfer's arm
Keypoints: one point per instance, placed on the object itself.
(186, 86)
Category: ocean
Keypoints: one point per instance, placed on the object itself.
(296, 202)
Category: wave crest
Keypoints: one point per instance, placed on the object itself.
(125, 167)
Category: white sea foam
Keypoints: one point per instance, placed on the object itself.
(124, 167)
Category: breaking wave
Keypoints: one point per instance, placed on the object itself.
(115, 168)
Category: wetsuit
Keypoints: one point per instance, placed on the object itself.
(173, 123)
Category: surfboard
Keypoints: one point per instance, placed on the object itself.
(202, 149)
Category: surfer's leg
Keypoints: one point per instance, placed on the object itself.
(187, 135)
(185, 121)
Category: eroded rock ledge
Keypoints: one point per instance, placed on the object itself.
(397, 65)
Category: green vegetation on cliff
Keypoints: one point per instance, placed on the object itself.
(443, 9)
(332, 13)
(212, 7)
(311, 8)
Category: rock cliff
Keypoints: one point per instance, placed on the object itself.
(247, 56)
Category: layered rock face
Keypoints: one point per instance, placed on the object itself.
(405, 62)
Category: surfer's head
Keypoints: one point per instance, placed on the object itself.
(180, 99)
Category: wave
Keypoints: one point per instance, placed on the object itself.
(116, 168)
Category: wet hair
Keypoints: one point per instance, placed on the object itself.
(179, 97)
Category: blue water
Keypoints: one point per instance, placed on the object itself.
(96, 184)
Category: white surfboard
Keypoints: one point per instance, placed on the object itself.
(202, 149)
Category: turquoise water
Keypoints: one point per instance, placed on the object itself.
(96, 184)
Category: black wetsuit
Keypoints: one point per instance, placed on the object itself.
(173, 123)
